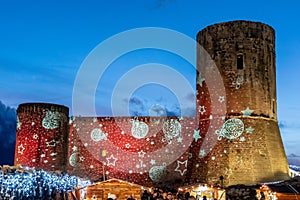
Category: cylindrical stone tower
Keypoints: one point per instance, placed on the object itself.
(42, 132)
(249, 148)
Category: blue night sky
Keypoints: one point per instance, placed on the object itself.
(44, 43)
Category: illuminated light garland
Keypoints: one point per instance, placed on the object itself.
(25, 183)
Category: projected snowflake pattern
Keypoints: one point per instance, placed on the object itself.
(53, 119)
(231, 129)
(97, 134)
(139, 129)
(73, 159)
(171, 129)
(157, 172)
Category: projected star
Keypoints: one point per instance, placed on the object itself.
(81, 158)
(21, 149)
(74, 148)
(247, 112)
(111, 160)
(179, 140)
(202, 153)
(249, 129)
(181, 167)
(141, 154)
(201, 110)
(221, 99)
(127, 145)
(152, 162)
(200, 80)
(196, 135)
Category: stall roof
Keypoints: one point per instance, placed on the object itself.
(114, 180)
(291, 186)
(287, 189)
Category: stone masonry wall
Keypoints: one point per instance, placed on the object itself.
(250, 148)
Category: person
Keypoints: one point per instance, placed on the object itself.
(262, 196)
(169, 196)
(204, 197)
(187, 195)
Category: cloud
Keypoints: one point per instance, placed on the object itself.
(139, 106)
(7, 134)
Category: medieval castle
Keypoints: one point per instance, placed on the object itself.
(234, 139)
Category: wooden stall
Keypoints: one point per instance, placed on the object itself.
(114, 188)
(200, 190)
(284, 190)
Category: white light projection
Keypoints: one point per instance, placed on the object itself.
(21, 149)
(139, 129)
(231, 129)
(111, 160)
(18, 123)
(238, 82)
(171, 129)
(200, 79)
(181, 167)
(196, 135)
(175, 133)
(53, 119)
(73, 159)
(156, 173)
(201, 109)
(97, 134)
(247, 112)
(249, 129)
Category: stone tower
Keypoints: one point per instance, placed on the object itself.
(42, 132)
(248, 148)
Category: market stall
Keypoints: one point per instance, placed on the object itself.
(112, 188)
(198, 191)
(280, 191)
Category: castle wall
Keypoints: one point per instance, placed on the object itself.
(42, 131)
(145, 150)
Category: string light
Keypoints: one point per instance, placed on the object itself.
(26, 183)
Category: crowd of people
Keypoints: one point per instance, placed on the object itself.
(163, 195)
